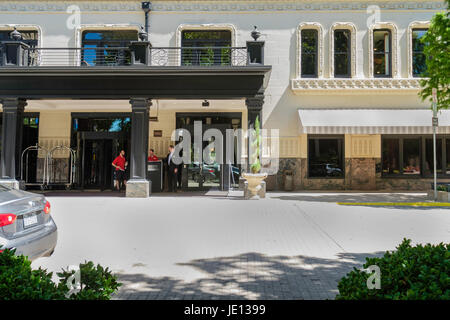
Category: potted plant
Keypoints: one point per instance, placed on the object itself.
(255, 178)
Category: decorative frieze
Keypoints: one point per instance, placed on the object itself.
(354, 86)
(218, 6)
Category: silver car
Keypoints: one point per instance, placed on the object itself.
(26, 223)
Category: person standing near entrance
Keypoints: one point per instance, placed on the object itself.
(152, 156)
(172, 170)
(120, 163)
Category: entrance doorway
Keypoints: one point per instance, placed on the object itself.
(204, 176)
(98, 141)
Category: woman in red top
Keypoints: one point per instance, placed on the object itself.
(120, 164)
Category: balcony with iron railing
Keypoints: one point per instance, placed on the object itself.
(16, 53)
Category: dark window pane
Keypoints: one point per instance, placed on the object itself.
(342, 53)
(208, 47)
(325, 158)
(308, 65)
(429, 163)
(411, 156)
(391, 156)
(341, 65)
(94, 39)
(30, 37)
(382, 52)
(419, 66)
(309, 52)
(447, 147)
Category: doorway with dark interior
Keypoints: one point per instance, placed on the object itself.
(98, 138)
(212, 175)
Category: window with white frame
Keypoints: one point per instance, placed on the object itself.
(309, 53)
(342, 53)
(382, 53)
(418, 58)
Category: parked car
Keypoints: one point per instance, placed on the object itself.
(207, 173)
(26, 223)
(325, 170)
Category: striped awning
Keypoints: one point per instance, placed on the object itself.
(371, 121)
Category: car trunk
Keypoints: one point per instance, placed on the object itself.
(29, 210)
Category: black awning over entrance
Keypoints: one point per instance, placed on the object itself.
(132, 82)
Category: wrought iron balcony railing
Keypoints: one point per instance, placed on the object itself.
(18, 54)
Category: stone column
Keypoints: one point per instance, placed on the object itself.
(12, 141)
(138, 186)
(254, 109)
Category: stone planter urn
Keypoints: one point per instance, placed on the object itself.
(254, 184)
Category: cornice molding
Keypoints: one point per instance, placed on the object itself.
(218, 6)
(354, 86)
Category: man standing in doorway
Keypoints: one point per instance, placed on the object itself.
(120, 164)
(152, 156)
(172, 170)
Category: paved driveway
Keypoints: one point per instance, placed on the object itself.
(214, 246)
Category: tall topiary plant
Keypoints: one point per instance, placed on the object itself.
(255, 166)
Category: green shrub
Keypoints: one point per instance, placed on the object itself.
(96, 282)
(19, 282)
(409, 273)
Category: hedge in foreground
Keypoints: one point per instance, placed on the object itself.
(18, 281)
(409, 273)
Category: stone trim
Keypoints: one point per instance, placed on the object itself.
(220, 6)
(394, 50)
(414, 25)
(355, 86)
(347, 26)
(320, 47)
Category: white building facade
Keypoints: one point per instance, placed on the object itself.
(343, 88)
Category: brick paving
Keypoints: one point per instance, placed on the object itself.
(217, 246)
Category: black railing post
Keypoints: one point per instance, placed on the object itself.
(14, 53)
(140, 53)
(255, 49)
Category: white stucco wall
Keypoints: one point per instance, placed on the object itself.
(276, 20)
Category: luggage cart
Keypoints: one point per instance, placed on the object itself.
(56, 171)
(24, 166)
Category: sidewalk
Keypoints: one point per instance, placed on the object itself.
(214, 246)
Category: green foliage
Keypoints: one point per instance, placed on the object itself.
(409, 273)
(256, 146)
(437, 51)
(19, 282)
(97, 283)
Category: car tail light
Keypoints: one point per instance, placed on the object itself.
(47, 207)
(211, 170)
(7, 219)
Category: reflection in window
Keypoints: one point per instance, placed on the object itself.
(429, 161)
(382, 53)
(391, 156)
(325, 157)
(30, 37)
(342, 53)
(206, 47)
(309, 43)
(419, 65)
(105, 47)
(411, 156)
